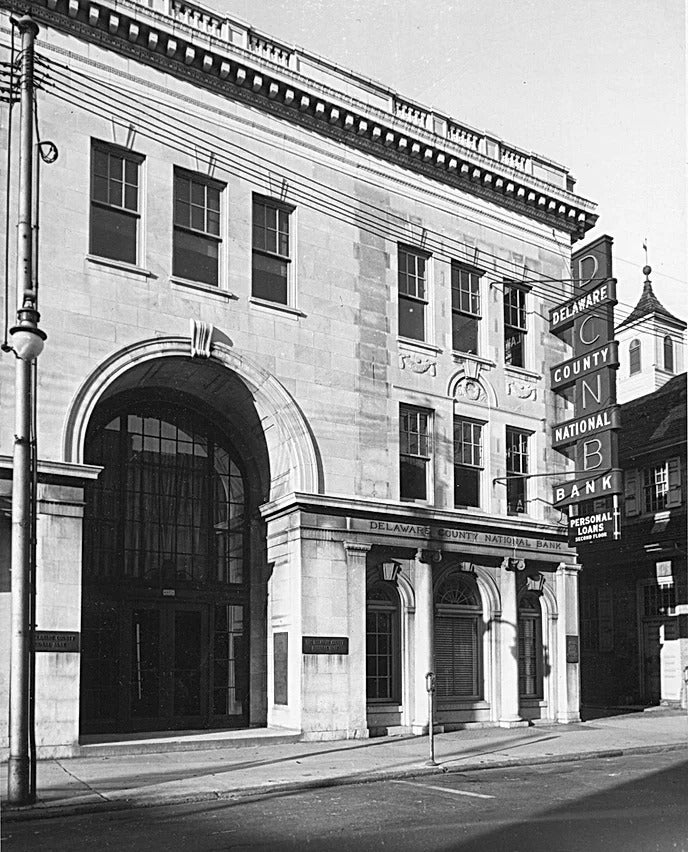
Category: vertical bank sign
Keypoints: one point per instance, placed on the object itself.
(588, 380)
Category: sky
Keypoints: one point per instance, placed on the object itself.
(599, 87)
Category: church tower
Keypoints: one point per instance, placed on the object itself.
(651, 344)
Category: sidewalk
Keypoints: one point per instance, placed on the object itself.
(218, 770)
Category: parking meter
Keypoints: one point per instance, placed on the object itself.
(430, 687)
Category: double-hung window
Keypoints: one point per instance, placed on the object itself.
(514, 325)
(656, 487)
(468, 462)
(465, 286)
(415, 452)
(115, 211)
(516, 469)
(196, 237)
(413, 266)
(668, 347)
(271, 263)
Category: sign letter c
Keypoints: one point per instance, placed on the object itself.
(582, 329)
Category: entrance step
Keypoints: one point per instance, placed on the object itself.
(156, 742)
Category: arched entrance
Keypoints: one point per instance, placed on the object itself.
(187, 610)
(166, 570)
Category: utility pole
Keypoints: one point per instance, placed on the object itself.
(27, 343)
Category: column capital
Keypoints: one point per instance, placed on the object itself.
(428, 556)
(354, 548)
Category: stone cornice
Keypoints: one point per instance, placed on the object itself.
(198, 46)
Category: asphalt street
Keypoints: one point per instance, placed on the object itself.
(627, 803)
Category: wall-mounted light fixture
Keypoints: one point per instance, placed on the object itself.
(390, 571)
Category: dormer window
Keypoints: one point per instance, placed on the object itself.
(668, 354)
(634, 357)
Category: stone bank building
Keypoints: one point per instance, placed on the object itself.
(293, 408)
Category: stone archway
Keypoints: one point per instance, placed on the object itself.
(295, 464)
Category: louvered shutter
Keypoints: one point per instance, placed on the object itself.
(631, 502)
(457, 665)
(527, 656)
(675, 496)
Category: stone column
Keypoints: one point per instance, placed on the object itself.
(509, 715)
(568, 643)
(356, 611)
(424, 660)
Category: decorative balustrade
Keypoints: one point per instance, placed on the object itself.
(464, 137)
(199, 18)
(411, 112)
(269, 50)
(210, 23)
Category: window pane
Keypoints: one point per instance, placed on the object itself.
(466, 486)
(464, 333)
(197, 218)
(413, 478)
(197, 193)
(113, 234)
(195, 257)
(100, 188)
(130, 197)
(270, 278)
(514, 347)
(411, 318)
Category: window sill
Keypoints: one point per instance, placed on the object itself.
(522, 372)
(469, 356)
(200, 287)
(418, 346)
(267, 306)
(121, 265)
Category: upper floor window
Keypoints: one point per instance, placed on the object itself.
(634, 357)
(271, 257)
(468, 462)
(515, 327)
(516, 469)
(196, 237)
(668, 354)
(114, 203)
(415, 452)
(465, 308)
(656, 487)
(412, 292)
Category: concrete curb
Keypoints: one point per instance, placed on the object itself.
(56, 811)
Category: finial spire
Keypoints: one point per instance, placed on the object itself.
(647, 269)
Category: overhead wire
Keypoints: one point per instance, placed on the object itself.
(311, 192)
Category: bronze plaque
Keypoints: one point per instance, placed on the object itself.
(325, 644)
(63, 641)
(572, 655)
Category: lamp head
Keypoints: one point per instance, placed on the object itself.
(27, 338)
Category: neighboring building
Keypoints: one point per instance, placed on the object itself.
(634, 593)
(293, 406)
(651, 346)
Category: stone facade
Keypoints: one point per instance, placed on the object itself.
(308, 390)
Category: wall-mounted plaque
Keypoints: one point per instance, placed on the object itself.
(64, 641)
(325, 645)
(572, 655)
(280, 667)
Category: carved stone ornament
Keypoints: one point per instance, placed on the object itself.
(523, 390)
(535, 583)
(429, 556)
(201, 336)
(417, 363)
(471, 390)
